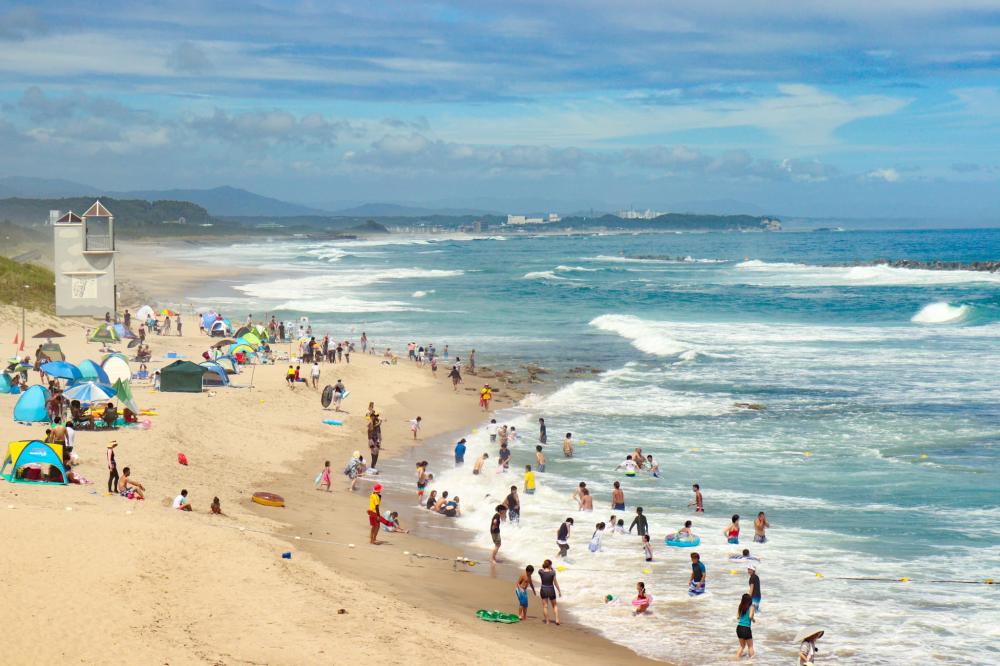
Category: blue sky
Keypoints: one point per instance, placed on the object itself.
(851, 108)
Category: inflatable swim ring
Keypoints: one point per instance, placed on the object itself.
(268, 499)
(648, 601)
(681, 543)
(327, 396)
(497, 616)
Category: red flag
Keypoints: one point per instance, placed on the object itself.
(15, 339)
(22, 345)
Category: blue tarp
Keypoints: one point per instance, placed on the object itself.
(91, 370)
(30, 407)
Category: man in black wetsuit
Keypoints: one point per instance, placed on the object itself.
(639, 522)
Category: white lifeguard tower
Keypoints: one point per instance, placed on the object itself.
(84, 263)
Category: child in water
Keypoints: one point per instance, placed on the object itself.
(642, 600)
(647, 549)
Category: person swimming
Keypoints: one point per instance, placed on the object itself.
(732, 532)
(595, 540)
(629, 465)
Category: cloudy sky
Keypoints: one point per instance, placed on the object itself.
(854, 107)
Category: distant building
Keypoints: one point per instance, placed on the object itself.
(477, 227)
(516, 220)
(179, 220)
(633, 214)
(84, 261)
(770, 224)
(54, 216)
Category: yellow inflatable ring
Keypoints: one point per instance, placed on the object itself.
(268, 499)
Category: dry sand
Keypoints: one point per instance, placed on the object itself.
(90, 577)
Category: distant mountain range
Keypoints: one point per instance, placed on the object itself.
(397, 210)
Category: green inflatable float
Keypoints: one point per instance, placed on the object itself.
(497, 616)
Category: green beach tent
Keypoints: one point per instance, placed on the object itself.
(181, 377)
(104, 333)
(124, 394)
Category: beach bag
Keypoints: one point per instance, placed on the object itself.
(182, 459)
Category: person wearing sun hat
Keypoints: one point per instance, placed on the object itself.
(375, 513)
(807, 644)
(754, 583)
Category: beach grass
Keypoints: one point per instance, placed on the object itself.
(27, 285)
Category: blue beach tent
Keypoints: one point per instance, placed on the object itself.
(215, 374)
(4, 383)
(30, 407)
(93, 372)
(33, 452)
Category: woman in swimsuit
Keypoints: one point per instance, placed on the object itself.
(432, 499)
(733, 531)
(549, 591)
(745, 618)
(641, 601)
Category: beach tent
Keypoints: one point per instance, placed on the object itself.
(53, 351)
(214, 375)
(144, 313)
(123, 390)
(240, 347)
(207, 319)
(104, 333)
(252, 339)
(116, 367)
(30, 407)
(4, 383)
(243, 330)
(61, 370)
(124, 333)
(229, 364)
(93, 372)
(181, 377)
(33, 452)
(219, 328)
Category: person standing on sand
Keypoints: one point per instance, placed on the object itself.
(549, 589)
(415, 427)
(456, 378)
(179, 326)
(375, 519)
(290, 376)
(472, 362)
(498, 517)
(568, 445)
(697, 503)
(759, 526)
(324, 477)
(112, 469)
(314, 374)
(485, 396)
(618, 497)
(539, 459)
(562, 537)
(542, 436)
(521, 587)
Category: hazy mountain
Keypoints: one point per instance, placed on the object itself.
(43, 188)
(227, 201)
(399, 210)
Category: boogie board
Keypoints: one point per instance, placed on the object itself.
(497, 616)
(333, 422)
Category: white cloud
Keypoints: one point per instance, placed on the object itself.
(888, 175)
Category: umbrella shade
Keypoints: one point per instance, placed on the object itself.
(223, 343)
(237, 348)
(62, 370)
(167, 312)
(134, 343)
(123, 332)
(49, 333)
(252, 339)
(124, 391)
(89, 393)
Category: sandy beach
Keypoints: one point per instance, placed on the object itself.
(138, 581)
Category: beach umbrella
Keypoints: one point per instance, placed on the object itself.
(237, 348)
(124, 391)
(167, 312)
(48, 334)
(89, 392)
(92, 371)
(134, 343)
(61, 369)
(222, 343)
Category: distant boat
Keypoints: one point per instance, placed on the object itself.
(829, 229)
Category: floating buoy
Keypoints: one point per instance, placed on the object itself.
(560, 568)
(819, 575)
(647, 571)
(904, 580)
(923, 456)
(808, 454)
(268, 499)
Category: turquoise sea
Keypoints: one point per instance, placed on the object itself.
(877, 454)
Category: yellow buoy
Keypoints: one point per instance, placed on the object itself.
(819, 575)
(647, 571)
(923, 456)
(808, 454)
(904, 580)
(732, 571)
(560, 568)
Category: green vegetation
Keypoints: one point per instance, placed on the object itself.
(40, 293)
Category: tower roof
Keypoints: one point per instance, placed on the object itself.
(69, 218)
(97, 210)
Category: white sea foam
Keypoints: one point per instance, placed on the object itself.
(576, 269)
(546, 275)
(940, 313)
(789, 274)
(421, 294)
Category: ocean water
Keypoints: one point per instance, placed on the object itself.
(876, 455)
